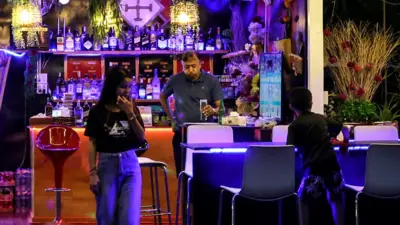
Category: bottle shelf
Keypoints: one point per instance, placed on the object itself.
(128, 53)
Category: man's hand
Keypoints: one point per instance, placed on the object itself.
(209, 111)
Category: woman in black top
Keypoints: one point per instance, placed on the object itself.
(115, 129)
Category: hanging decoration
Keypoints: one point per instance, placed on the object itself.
(30, 74)
(184, 13)
(26, 17)
(103, 15)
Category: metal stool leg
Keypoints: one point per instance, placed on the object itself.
(167, 195)
(58, 191)
(233, 209)
(178, 198)
(158, 202)
(357, 209)
(188, 201)
(153, 199)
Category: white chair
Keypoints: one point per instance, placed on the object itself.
(376, 133)
(199, 134)
(279, 133)
(382, 174)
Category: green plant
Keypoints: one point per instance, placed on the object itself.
(359, 111)
(103, 15)
(388, 112)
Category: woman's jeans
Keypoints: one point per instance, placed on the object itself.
(120, 189)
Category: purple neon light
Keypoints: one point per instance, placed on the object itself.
(13, 53)
(241, 150)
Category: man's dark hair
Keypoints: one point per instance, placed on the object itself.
(189, 55)
(300, 98)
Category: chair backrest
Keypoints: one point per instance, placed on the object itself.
(57, 137)
(206, 134)
(382, 171)
(279, 133)
(376, 133)
(269, 172)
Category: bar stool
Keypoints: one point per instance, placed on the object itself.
(376, 133)
(155, 208)
(279, 133)
(199, 134)
(58, 143)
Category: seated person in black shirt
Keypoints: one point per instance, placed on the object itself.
(311, 134)
(115, 130)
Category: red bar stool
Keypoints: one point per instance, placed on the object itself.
(58, 143)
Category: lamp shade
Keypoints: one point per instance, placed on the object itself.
(184, 14)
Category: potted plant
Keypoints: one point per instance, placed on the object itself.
(356, 55)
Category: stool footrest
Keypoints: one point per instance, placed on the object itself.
(57, 189)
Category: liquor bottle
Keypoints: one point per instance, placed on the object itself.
(63, 88)
(153, 39)
(189, 39)
(199, 43)
(162, 40)
(77, 38)
(78, 114)
(71, 86)
(218, 41)
(142, 88)
(86, 41)
(134, 89)
(145, 39)
(180, 41)
(78, 86)
(129, 39)
(48, 109)
(156, 85)
(86, 88)
(57, 93)
(149, 89)
(94, 93)
(121, 44)
(137, 39)
(112, 40)
(210, 41)
(172, 42)
(105, 45)
(69, 41)
(85, 109)
(60, 41)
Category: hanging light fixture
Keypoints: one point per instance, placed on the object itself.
(184, 13)
(25, 17)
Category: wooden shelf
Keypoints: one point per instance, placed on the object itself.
(128, 53)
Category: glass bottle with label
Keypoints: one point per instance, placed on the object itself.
(71, 86)
(210, 42)
(60, 41)
(77, 39)
(87, 91)
(218, 40)
(153, 39)
(156, 85)
(145, 39)
(78, 86)
(180, 40)
(199, 43)
(105, 45)
(94, 88)
(162, 40)
(86, 40)
(48, 109)
(189, 39)
(172, 42)
(128, 39)
(112, 40)
(69, 41)
(78, 114)
(137, 39)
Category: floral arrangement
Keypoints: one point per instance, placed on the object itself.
(257, 30)
(356, 56)
(248, 88)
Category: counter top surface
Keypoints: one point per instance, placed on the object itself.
(206, 146)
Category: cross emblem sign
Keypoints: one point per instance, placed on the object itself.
(138, 7)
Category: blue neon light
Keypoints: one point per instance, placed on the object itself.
(241, 150)
(13, 53)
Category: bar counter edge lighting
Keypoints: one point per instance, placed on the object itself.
(79, 204)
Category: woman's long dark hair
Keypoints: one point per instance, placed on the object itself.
(113, 79)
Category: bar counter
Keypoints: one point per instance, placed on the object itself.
(79, 204)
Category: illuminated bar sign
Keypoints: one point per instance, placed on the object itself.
(271, 85)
